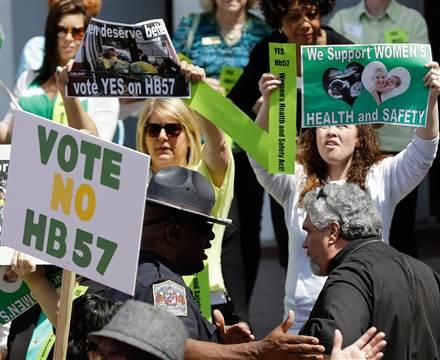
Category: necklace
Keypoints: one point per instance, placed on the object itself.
(232, 36)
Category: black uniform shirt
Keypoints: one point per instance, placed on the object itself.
(372, 284)
(159, 284)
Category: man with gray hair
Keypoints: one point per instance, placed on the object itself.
(369, 283)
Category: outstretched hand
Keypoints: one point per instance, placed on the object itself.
(231, 334)
(280, 344)
(368, 346)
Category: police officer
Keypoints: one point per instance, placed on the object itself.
(177, 229)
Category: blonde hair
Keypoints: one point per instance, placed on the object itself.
(175, 109)
(209, 5)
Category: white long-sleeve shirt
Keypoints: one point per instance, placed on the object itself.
(388, 182)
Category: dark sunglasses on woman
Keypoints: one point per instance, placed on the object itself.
(76, 32)
(172, 130)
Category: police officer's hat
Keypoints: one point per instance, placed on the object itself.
(185, 190)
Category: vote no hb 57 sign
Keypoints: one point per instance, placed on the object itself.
(75, 201)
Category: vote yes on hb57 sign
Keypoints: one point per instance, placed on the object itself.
(75, 201)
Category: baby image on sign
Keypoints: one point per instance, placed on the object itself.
(364, 84)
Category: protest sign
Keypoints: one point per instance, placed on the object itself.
(223, 113)
(282, 111)
(69, 197)
(122, 60)
(363, 84)
(4, 164)
(229, 75)
(15, 296)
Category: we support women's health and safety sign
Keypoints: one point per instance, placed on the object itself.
(364, 84)
(75, 201)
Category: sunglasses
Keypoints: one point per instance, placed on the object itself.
(172, 130)
(76, 32)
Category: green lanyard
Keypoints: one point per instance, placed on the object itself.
(199, 285)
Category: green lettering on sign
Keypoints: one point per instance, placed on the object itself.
(34, 229)
(282, 112)
(67, 142)
(111, 168)
(56, 239)
(109, 248)
(46, 143)
(91, 152)
(82, 256)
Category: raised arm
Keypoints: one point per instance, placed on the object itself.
(42, 289)
(431, 80)
(216, 151)
(77, 117)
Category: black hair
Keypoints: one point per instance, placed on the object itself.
(90, 312)
(59, 10)
(274, 10)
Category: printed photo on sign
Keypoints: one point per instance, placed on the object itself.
(344, 85)
(365, 84)
(384, 85)
(125, 60)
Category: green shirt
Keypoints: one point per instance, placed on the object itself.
(399, 24)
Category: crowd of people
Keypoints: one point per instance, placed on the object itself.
(348, 293)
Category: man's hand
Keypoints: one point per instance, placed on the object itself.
(368, 346)
(233, 334)
(3, 353)
(281, 345)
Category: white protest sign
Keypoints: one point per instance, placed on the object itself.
(75, 201)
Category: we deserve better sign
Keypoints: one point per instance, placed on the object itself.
(75, 201)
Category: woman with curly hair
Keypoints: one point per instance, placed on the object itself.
(293, 21)
(343, 154)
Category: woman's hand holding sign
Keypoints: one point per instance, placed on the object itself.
(191, 72)
(77, 117)
(268, 83)
(35, 278)
(431, 80)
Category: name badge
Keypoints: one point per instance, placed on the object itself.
(354, 30)
(211, 40)
(396, 36)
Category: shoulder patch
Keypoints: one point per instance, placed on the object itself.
(170, 297)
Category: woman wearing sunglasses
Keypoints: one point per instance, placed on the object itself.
(171, 133)
(42, 92)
